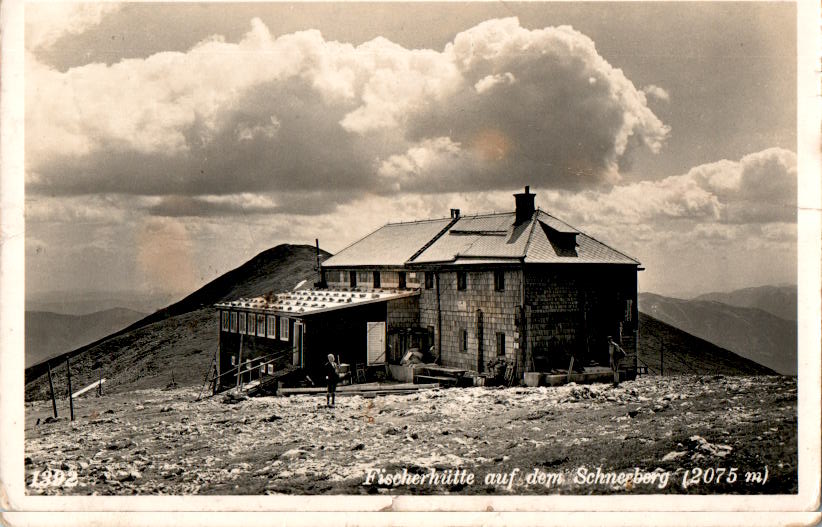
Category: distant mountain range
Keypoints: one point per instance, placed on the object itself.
(776, 300)
(87, 302)
(750, 332)
(52, 334)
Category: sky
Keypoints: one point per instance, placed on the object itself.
(167, 144)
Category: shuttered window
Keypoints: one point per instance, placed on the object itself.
(500, 344)
(252, 324)
(233, 322)
(241, 322)
(271, 327)
(261, 325)
(224, 320)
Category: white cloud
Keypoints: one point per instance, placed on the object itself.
(48, 22)
(660, 94)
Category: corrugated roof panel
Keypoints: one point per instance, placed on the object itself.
(392, 244)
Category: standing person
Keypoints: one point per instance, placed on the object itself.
(332, 376)
(615, 354)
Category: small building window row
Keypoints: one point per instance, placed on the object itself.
(256, 324)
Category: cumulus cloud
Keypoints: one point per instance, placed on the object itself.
(660, 94)
(47, 23)
(760, 188)
(499, 106)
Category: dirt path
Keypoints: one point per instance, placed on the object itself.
(164, 442)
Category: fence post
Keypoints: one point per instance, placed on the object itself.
(71, 399)
(51, 387)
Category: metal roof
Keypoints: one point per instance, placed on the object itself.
(313, 301)
(390, 245)
(480, 239)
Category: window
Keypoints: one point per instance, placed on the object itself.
(261, 325)
(271, 327)
(283, 328)
(429, 280)
(500, 344)
(262, 369)
(252, 324)
(233, 360)
(233, 322)
(461, 280)
(241, 322)
(499, 280)
(376, 279)
(629, 305)
(224, 320)
(402, 279)
(464, 341)
(342, 277)
(352, 278)
(271, 369)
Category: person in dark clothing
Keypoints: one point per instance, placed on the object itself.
(616, 354)
(332, 377)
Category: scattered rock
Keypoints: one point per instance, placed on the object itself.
(673, 456)
(271, 419)
(633, 413)
(234, 398)
(165, 409)
(29, 461)
(358, 446)
(294, 453)
(704, 447)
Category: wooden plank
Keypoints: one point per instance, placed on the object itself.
(89, 387)
(359, 389)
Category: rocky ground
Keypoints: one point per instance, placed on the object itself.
(673, 429)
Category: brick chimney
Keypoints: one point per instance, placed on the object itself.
(525, 206)
(455, 213)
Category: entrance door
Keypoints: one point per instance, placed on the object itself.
(297, 354)
(376, 342)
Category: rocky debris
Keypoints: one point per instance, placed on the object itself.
(701, 448)
(210, 447)
(294, 453)
(233, 397)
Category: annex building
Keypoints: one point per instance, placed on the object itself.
(523, 287)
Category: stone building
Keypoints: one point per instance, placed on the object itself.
(521, 286)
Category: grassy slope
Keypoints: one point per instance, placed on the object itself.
(687, 354)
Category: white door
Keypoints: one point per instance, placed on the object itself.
(376, 342)
(297, 357)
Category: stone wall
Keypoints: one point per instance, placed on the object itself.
(460, 312)
(572, 309)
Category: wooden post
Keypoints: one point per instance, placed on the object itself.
(71, 397)
(239, 362)
(100, 386)
(51, 387)
(661, 357)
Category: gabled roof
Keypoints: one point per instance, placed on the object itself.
(481, 239)
(493, 238)
(390, 245)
